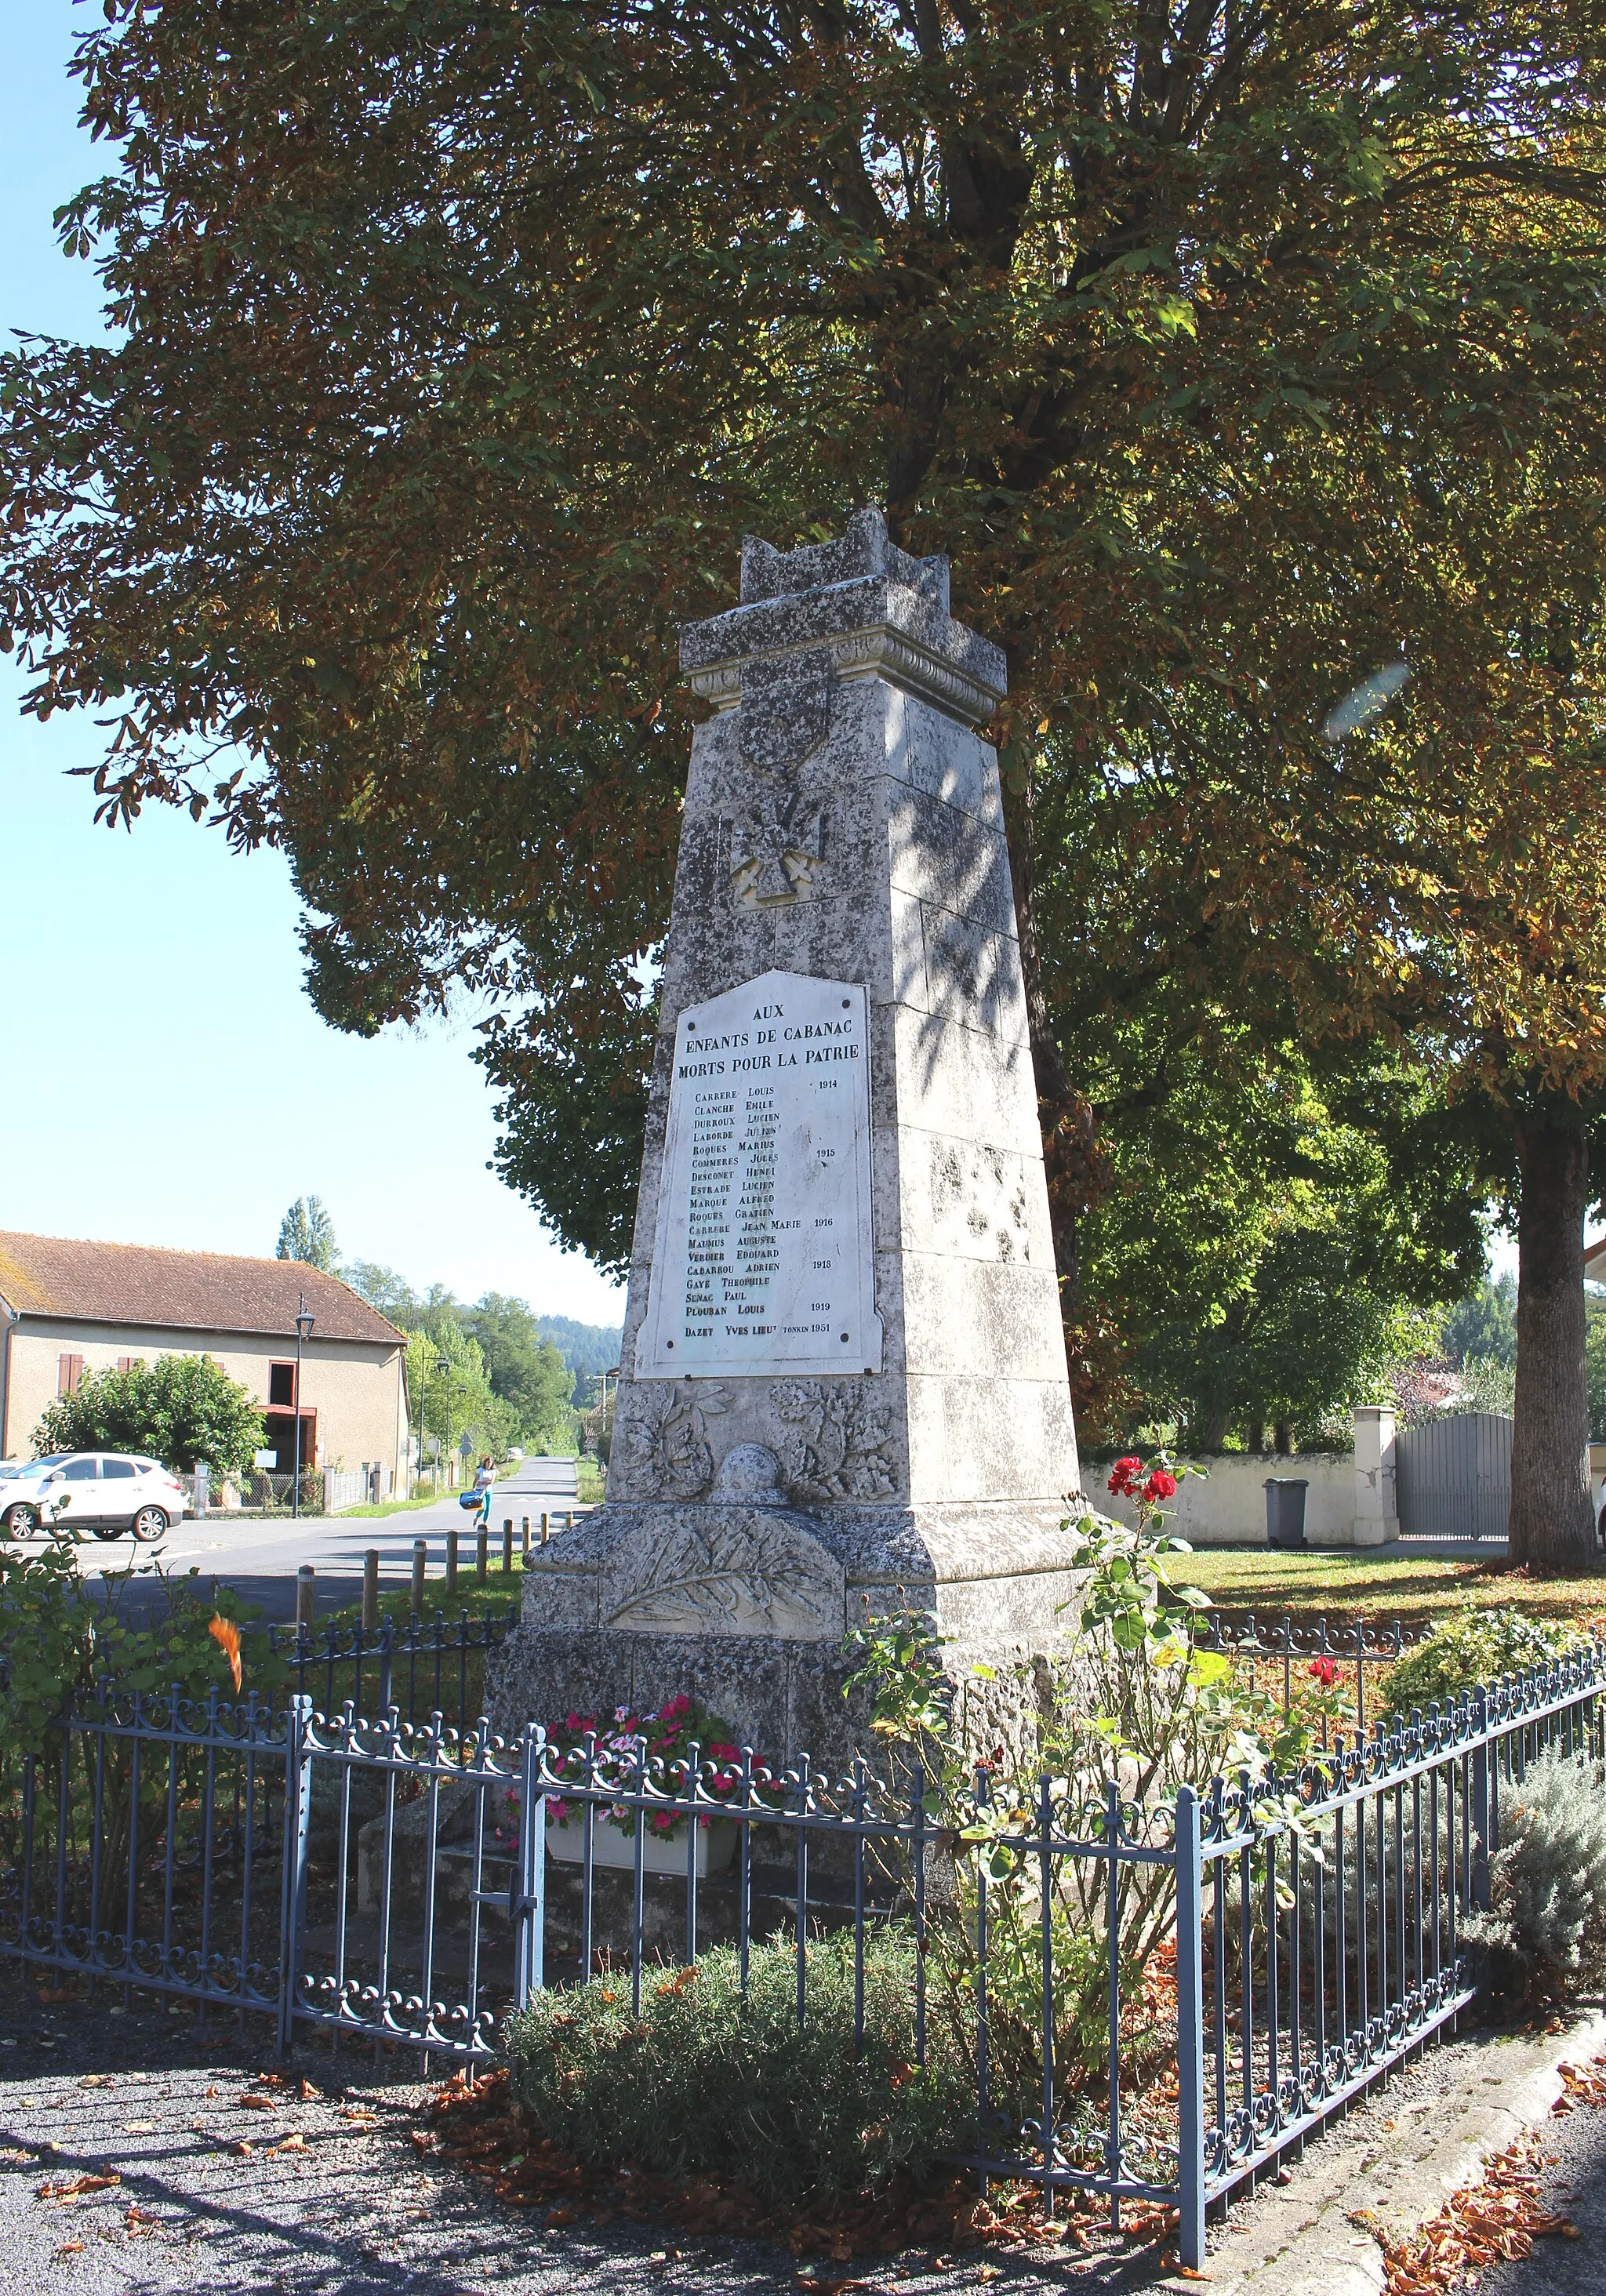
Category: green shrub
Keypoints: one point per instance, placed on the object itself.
(1547, 1881)
(180, 1409)
(1473, 1646)
(708, 2082)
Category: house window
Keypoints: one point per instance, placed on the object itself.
(124, 1363)
(70, 1371)
(282, 1384)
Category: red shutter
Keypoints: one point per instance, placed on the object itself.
(124, 1363)
(70, 1370)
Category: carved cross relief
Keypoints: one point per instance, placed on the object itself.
(777, 851)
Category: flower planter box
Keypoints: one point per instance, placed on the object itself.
(715, 1846)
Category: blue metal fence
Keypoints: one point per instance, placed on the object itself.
(393, 1884)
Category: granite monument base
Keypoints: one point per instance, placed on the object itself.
(749, 1609)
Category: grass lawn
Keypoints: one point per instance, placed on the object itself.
(1371, 1583)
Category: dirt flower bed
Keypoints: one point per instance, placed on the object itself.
(477, 2124)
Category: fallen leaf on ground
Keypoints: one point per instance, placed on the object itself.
(1496, 2220)
(69, 2248)
(137, 2128)
(253, 2101)
(294, 2143)
(73, 2188)
(98, 2080)
(478, 2126)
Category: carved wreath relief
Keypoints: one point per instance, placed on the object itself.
(834, 1442)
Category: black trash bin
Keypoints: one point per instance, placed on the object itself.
(1285, 1510)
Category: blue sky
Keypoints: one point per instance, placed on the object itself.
(165, 1078)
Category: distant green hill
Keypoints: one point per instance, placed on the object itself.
(586, 1348)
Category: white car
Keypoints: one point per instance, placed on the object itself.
(106, 1492)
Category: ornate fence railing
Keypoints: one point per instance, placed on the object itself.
(1154, 2000)
(425, 1664)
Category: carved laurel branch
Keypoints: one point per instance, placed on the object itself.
(669, 1440)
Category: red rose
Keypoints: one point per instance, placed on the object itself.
(1123, 1479)
(1325, 1671)
(1160, 1485)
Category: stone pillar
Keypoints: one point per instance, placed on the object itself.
(1376, 1518)
(843, 1369)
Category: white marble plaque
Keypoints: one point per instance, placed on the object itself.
(762, 1259)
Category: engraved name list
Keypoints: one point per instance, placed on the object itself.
(764, 1257)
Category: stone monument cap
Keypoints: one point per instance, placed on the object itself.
(859, 605)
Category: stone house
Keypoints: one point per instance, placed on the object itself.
(70, 1308)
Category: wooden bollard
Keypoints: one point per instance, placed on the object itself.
(545, 1528)
(527, 1538)
(421, 1556)
(568, 1520)
(507, 1547)
(304, 1584)
(371, 1591)
(451, 1562)
(482, 1552)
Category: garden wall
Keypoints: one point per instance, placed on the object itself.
(1228, 1506)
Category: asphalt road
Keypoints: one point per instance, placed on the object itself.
(261, 1558)
(1574, 2187)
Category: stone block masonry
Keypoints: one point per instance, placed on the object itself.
(843, 1369)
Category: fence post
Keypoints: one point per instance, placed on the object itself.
(292, 1903)
(528, 1909)
(371, 1591)
(1479, 1879)
(545, 1526)
(451, 1564)
(1189, 2034)
(304, 1592)
(526, 1520)
(482, 1552)
(421, 1555)
(507, 1547)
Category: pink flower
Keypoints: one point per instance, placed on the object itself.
(724, 1752)
(661, 1822)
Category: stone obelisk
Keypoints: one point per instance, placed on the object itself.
(843, 1367)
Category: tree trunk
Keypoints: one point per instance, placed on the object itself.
(1283, 1436)
(1254, 1437)
(1551, 1522)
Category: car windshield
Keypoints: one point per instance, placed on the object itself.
(37, 1466)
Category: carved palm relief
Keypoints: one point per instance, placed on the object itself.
(732, 1577)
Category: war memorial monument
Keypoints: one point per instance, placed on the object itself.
(843, 1370)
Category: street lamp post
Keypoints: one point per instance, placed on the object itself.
(444, 1365)
(424, 1366)
(304, 1323)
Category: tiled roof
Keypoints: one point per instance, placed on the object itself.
(137, 1283)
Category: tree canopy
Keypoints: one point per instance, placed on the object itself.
(1242, 358)
(307, 1233)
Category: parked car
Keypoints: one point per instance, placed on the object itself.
(105, 1492)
